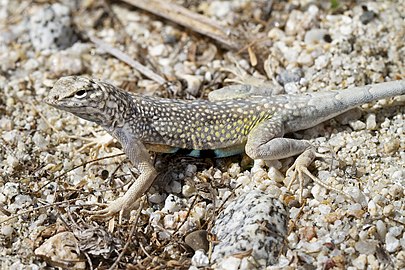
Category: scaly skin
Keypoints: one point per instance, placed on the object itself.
(246, 122)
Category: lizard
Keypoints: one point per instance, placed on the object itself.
(225, 125)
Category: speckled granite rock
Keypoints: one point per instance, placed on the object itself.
(255, 222)
(50, 28)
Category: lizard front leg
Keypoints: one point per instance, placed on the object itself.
(265, 142)
(140, 158)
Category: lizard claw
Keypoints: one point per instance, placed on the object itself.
(118, 206)
(300, 168)
(110, 210)
(97, 143)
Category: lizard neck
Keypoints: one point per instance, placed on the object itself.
(117, 109)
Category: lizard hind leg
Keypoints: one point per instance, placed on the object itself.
(265, 142)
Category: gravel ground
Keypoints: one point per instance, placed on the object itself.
(47, 173)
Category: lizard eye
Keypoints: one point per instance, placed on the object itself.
(81, 94)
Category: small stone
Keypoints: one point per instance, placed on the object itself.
(64, 63)
(275, 175)
(366, 247)
(321, 62)
(367, 17)
(197, 240)
(372, 262)
(381, 228)
(193, 83)
(332, 217)
(397, 175)
(315, 36)
(234, 170)
(305, 59)
(371, 123)
(7, 230)
(312, 247)
(324, 209)
(391, 243)
(356, 213)
(307, 233)
(10, 189)
(157, 50)
(188, 191)
(396, 190)
(156, 198)
(219, 8)
(200, 259)
(170, 221)
(357, 125)
(51, 28)
(172, 204)
(388, 210)
(372, 208)
(62, 250)
(291, 88)
(401, 259)
(360, 262)
(175, 187)
(287, 76)
(392, 146)
(396, 230)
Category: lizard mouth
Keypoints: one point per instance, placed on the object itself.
(51, 100)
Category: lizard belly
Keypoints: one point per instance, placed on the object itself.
(215, 153)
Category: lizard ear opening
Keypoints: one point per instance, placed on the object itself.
(81, 94)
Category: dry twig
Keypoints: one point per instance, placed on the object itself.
(190, 20)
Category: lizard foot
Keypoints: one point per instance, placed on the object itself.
(111, 209)
(97, 143)
(300, 168)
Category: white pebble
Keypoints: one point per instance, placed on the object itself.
(228, 263)
(395, 231)
(188, 191)
(275, 175)
(371, 123)
(315, 36)
(321, 62)
(10, 189)
(313, 246)
(357, 125)
(388, 210)
(354, 207)
(372, 208)
(234, 170)
(200, 259)
(7, 230)
(154, 219)
(172, 204)
(324, 209)
(156, 198)
(305, 59)
(372, 262)
(360, 262)
(396, 190)
(175, 187)
(291, 88)
(381, 228)
(170, 221)
(391, 243)
(157, 50)
(366, 246)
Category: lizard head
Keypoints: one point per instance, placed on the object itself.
(89, 99)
